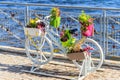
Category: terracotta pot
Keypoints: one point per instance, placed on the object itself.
(89, 31)
(76, 56)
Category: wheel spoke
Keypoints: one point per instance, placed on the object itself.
(44, 56)
(42, 43)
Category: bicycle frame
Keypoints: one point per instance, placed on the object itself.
(56, 41)
(52, 34)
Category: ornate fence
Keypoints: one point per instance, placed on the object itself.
(14, 16)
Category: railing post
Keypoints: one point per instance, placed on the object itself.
(27, 14)
(101, 31)
(26, 18)
(104, 33)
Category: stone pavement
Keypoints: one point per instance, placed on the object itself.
(11, 65)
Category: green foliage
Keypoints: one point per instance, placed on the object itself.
(84, 17)
(32, 23)
(55, 17)
(85, 20)
(55, 21)
(70, 42)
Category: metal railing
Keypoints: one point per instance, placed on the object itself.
(14, 16)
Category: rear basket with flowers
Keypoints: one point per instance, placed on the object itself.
(35, 28)
(87, 29)
(68, 41)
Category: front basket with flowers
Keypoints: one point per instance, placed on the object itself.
(35, 27)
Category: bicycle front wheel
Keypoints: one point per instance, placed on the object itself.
(39, 50)
(95, 55)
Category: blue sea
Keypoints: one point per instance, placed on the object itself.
(91, 3)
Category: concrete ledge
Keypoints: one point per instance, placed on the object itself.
(112, 62)
(22, 50)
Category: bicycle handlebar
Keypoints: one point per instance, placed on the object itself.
(44, 21)
(47, 17)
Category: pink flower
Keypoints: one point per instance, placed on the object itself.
(87, 49)
(42, 28)
(61, 33)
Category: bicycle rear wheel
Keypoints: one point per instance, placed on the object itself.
(95, 56)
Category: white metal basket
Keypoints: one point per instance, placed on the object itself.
(33, 32)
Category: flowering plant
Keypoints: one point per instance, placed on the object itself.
(67, 39)
(32, 23)
(36, 23)
(87, 29)
(86, 22)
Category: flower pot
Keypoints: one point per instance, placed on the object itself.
(89, 31)
(33, 32)
(76, 56)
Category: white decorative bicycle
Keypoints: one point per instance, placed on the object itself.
(41, 46)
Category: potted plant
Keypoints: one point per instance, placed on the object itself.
(87, 29)
(55, 17)
(75, 52)
(87, 26)
(68, 41)
(35, 27)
